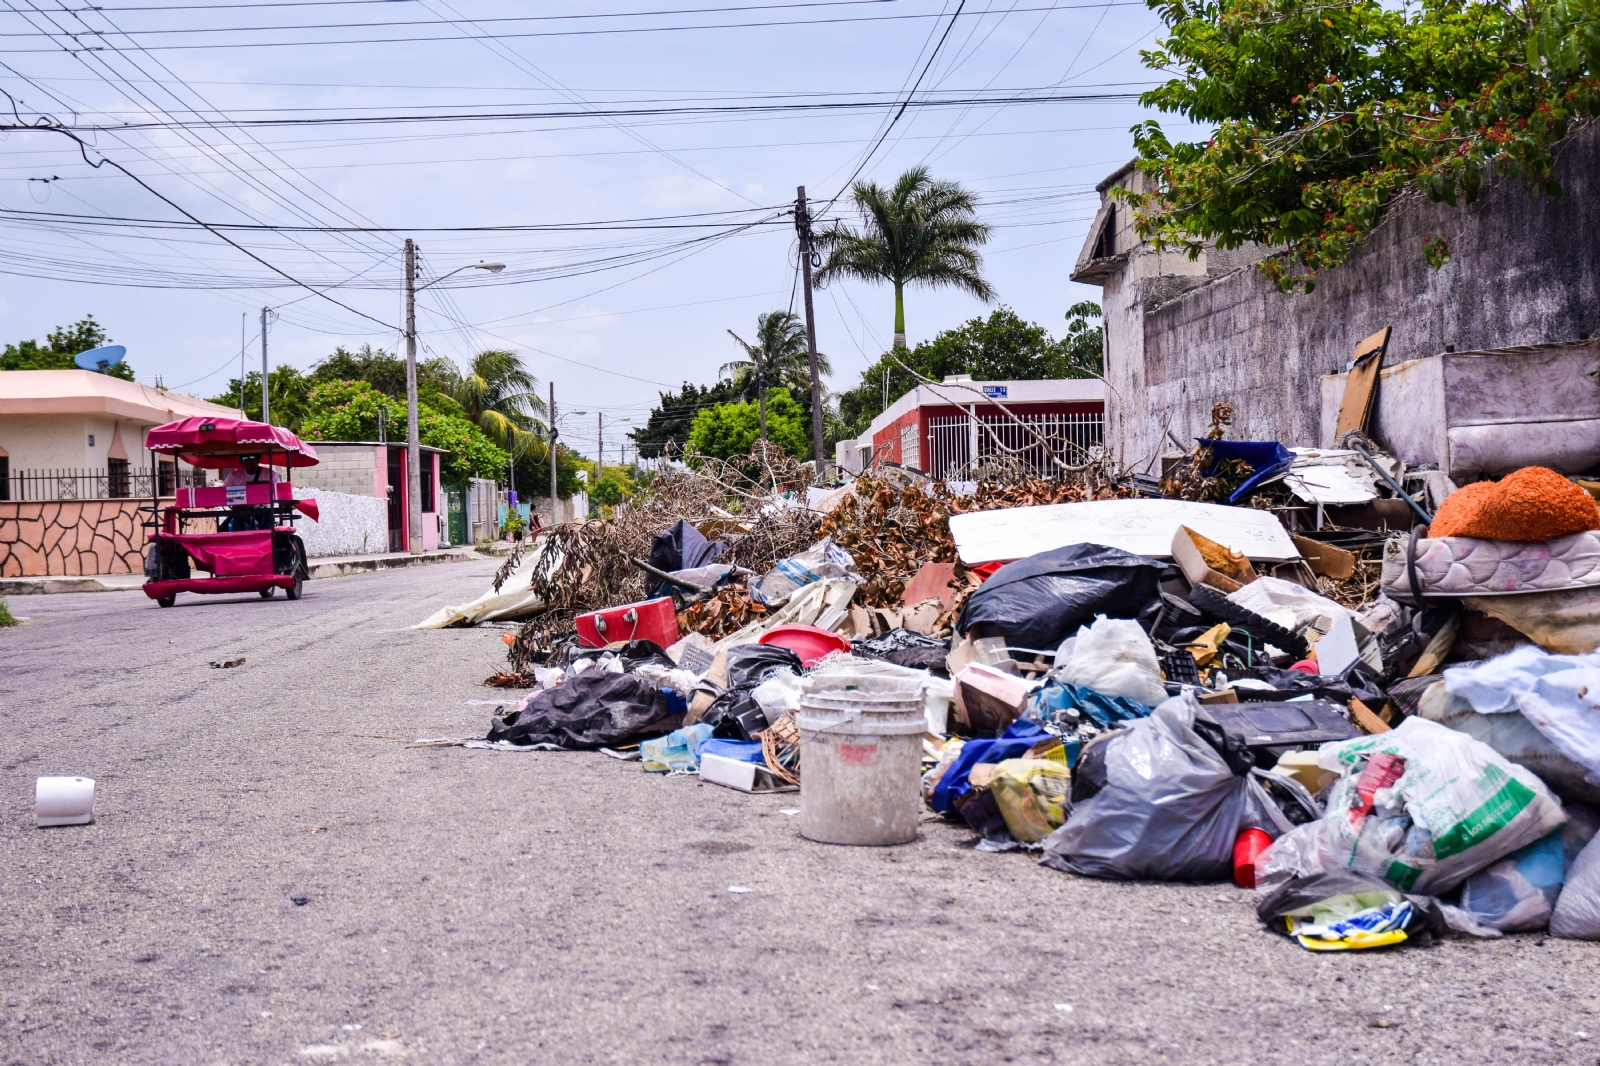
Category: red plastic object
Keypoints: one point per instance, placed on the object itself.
(647, 620)
(1247, 848)
(811, 643)
(1307, 666)
(987, 570)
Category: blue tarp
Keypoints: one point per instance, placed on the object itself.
(1105, 711)
(1267, 458)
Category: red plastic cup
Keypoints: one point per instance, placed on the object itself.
(1246, 850)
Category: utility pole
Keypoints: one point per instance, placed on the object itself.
(802, 225)
(599, 447)
(413, 442)
(266, 415)
(244, 316)
(554, 433)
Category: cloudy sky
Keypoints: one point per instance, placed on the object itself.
(629, 162)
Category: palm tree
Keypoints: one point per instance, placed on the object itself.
(780, 355)
(499, 395)
(921, 231)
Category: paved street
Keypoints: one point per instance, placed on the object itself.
(482, 907)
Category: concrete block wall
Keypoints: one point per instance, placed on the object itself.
(351, 469)
(1525, 269)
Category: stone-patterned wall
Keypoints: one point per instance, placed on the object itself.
(71, 537)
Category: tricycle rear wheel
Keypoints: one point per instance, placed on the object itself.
(167, 601)
(299, 564)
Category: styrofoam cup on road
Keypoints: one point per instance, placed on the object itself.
(64, 800)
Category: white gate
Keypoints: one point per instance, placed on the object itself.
(1073, 437)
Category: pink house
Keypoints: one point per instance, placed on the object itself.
(373, 468)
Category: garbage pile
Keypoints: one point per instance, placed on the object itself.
(1370, 695)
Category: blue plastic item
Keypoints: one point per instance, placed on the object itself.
(1267, 458)
(1105, 711)
(741, 750)
(1013, 743)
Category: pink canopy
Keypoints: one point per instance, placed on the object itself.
(220, 443)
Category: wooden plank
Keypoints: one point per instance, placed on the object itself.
(1144, 527)
(1361, 385)
(1364, 719)
(1438, 648)
(1325, 559)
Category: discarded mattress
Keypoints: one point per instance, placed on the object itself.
(1467, 566)
(1142, 527)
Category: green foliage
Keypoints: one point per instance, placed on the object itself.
(1328, 114)
(671, 419)
(287, 390)
(533, 471)
(611, 487)
(348, 410)
(5, 614)
(730, 430)
(500, 397)
(781, 350)
(918, 232)
(60, 346)
(1003, 347)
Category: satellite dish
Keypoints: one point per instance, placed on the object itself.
(101, 359)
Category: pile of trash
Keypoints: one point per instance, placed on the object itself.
(1369, 695)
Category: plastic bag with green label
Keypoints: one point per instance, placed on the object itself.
(1422, 807)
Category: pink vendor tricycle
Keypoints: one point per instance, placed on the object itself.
(255, 548)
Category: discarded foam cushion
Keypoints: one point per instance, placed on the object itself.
(1533, 504)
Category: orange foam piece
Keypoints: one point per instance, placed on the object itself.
(1533, 504)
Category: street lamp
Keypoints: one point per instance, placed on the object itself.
(413, 443)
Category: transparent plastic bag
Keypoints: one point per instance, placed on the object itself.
(1518, 893)
(1577, 911)
(824, 559)
(1031, 794)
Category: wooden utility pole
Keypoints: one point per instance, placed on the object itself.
(802, 225)
(554, 433)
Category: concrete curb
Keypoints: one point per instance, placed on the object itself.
(333, 566)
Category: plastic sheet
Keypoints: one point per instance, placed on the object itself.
(1114, 658)
(1154, 801)
(1518, 893)
(824, 559)
(680, 547)
(1039, 601)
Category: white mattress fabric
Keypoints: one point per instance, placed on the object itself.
(1468, 566)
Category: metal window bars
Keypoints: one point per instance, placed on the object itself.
(25, 486)
(959, 446)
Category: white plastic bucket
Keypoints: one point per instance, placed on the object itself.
(860, 758)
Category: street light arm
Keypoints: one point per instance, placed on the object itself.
(493, 268)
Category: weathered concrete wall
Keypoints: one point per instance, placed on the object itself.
(1524, 270)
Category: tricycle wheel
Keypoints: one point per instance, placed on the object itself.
(293, 591)
(167, 601)
(267, 592)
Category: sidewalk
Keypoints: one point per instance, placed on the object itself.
(328, 566)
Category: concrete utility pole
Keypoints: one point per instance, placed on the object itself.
(265, 411)
(244, 316)
(802, 225)
(413, 443)
(554, 433)
(599, 447)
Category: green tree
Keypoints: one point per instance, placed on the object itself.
(1325, 115)
(287, 390)
(779, 356)
(348, 410)
(919, 232)
(60, 346)
(731, 430)
(670, 420)
(499, 396)
(1002, 347)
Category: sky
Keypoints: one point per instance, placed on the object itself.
(631, 163)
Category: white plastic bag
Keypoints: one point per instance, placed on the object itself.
(824, 559)
(1292, 606)
(778, 695)
(1457, 807)
(1558, 694)
(1577, 912)
(1115, 658)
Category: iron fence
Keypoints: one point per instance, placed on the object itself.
(114, 483)
(951, 439)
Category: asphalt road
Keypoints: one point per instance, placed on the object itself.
(482, 907)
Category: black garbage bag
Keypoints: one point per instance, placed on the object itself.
(735, 715)
(595, 709)
(633, 654)
(1359, 681)
(1039, 601)
(681, 547)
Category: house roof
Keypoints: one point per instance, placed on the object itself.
(84, 392)
(967, 393)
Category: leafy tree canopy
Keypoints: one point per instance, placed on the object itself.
(1002, 347)
(348, 410)
(60, 346)
(671, 419)
(730, 430)
(287, 389)
(1328, 114)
